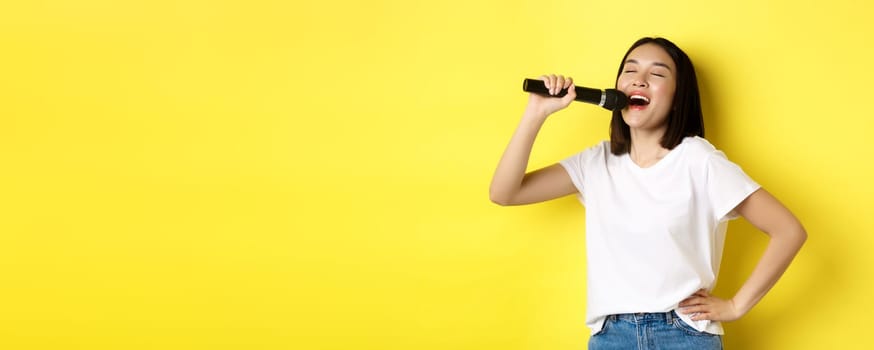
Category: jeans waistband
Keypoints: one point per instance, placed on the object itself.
(641, 317)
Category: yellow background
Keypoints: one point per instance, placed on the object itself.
(314, 174)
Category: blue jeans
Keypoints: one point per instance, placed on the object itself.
(651, 331)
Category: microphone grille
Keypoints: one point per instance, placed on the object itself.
(615, 99)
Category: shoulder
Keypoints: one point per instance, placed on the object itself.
(698, 153)
(698, 150)
(596, 153)
(698, 146)
(703, 155)
(602, 147)
(598, 150)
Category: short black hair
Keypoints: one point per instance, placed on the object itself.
(684, 119)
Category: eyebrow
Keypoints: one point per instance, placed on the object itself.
(654, 64)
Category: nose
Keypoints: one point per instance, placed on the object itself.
(638, 83)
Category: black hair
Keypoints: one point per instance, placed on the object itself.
(685, 117)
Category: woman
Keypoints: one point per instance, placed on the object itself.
(658, 198)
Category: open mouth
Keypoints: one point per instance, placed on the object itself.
(638, 100)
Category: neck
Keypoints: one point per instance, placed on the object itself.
(646, 147)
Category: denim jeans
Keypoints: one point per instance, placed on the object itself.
(651, 331)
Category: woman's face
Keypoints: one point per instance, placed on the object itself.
(649, 79)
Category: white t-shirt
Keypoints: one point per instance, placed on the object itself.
(654, 235)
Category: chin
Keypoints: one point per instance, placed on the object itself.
(639, 120)
(632, 122)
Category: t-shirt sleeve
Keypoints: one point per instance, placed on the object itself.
(727, 185)
(576, 165)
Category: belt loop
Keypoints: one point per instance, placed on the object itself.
(670, 317)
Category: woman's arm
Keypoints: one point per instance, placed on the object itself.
(786, 238)
(510, 184)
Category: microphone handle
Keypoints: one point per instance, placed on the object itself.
(584, 94)
(610, 99)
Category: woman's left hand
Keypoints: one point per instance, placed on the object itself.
(703, 306)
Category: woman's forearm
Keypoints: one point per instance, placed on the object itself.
(781, 250)
(510, 172)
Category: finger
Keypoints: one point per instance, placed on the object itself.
(571, 91)
(551, 85)
(697, 295)
(545, 79)
(566, 82)
(695, 309)
(701, 316)
(559, 83)
(692, 301)
(554, 84)
(569, 82)
(571, 95)
(701, 293)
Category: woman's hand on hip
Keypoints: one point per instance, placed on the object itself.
(703, 306)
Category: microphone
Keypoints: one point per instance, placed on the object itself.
(611, 99)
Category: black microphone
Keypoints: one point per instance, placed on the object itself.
(611, 99)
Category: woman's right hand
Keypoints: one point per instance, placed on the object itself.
(543, 106)
(511, 185)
